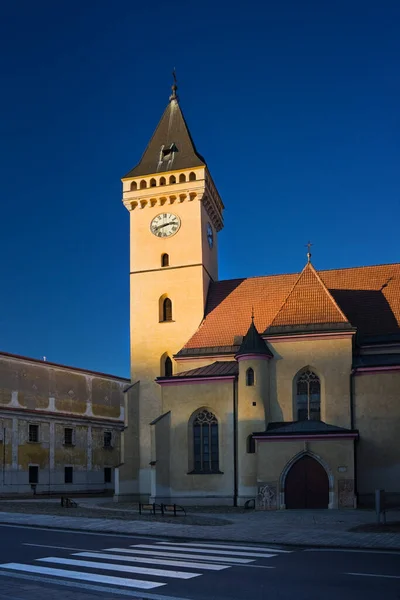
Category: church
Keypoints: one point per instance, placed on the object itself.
(278, 392)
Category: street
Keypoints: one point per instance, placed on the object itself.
(41, 564)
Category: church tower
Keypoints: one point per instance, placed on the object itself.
(175, 216)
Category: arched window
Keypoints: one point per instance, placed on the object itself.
(165, 260)
(167, 310)
(250, 376)
(162, 181)
(143, 184)
(168, 371)
(133, 186)
(251, 445)
(308, 397)
(172, 179)
(205, 443)
(182, 178)
(153, 183)
(192, 176)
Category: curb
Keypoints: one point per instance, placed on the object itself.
(203, 539)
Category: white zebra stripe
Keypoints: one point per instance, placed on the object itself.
(206, 551)
(153, 561)
(242, 561)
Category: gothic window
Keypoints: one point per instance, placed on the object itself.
(168, 367)
(172, 179)
(143, 184)
(153, 183)
(205, 443)
(250, 376)
(182, 178)
(308, 397)
(167, 310)
(165, 260)
(162, 181)
(192, 176)
(133, 186)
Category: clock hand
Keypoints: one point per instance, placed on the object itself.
(164, 225)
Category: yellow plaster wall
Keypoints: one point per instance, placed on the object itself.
(183, 401)
(104, 457)
(331, 359)
(106, 398)
(377, 416)
(33, 452)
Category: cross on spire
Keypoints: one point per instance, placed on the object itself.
(308, 245)
(174, 87)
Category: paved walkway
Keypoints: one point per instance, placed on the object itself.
(299, 528)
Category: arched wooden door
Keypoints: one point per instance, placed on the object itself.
(307, 485)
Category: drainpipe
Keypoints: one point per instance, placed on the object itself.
(235, 443)
(352, 425)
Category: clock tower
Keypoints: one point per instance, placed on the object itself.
(175, 215)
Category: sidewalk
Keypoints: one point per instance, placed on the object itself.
(291, 528)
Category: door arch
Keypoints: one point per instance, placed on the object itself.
(307, 484)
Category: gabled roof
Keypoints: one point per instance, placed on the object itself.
(171, 146)
(253, 343)
(216, 369)
(308, 302)
(368, 296)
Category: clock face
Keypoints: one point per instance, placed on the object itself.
(165, 225)
(210, 235)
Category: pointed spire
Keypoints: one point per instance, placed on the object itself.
(252, 342)
(174, 88)
(171, 147)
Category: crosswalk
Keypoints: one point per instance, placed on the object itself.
(143, 566)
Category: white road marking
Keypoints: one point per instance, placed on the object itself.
(153, 561)
(241, 561)
(374, 575)
(251, 548)
(205, 551)
(73, 562)
(82, 576)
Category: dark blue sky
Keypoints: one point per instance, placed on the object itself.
(295, 106)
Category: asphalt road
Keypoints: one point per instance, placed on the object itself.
(39, 564)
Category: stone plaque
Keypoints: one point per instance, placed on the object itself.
(346, 493)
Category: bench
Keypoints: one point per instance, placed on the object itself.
(172, 508)
(152, 508)
(67, 502)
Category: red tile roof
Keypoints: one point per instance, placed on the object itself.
(369, 297)
(308, 302)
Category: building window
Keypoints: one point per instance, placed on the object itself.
(107, 474)
(167, 310)
(250, 376)
(162, 181)
(172, 179)
(143, 184)
(308, 397)
(165, 260)
(168, 371)
(107, 439)
(251, 445)
(205, 440)
(68, 436)
(192, 176)
(182, 178)
(33, 433)
(153, 183)
(133, 186)
(68, 474)
(33, 474)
